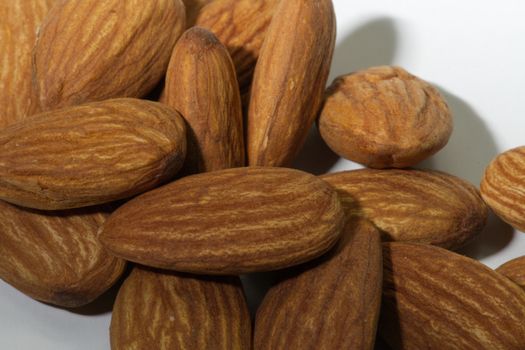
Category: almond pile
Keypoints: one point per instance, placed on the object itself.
(159, 135)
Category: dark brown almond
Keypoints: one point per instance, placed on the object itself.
(514, 270)
(231, 221)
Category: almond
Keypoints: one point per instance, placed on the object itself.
(20, 21)
(90, 50)
(90, 154)
(289, 80)
(230, 221)
(384, 117)
(202, 86)
(193, 8)
(332, 303)
(413, 205)
(514, 270)
(436, 299)
(163, 311)
(503, 187)
(56, 257)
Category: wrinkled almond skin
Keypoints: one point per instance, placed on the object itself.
(384, 117)
(90, 154)
(503, 187)
(436, 299)
(56, 257)
(514, 270)
(163, 311)
(421, 206)
(90, 50)
(331, 303)
(20, 22)
(202, 86)
(289, 80)
(193, 8)
(231, 221)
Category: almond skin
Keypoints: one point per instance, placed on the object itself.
(289, 80)
(420, 206)
(503, 187)
(202, 86)
(56, 257)
(331, 303)
(436, 299)
(20, 22)
(91, 50)
(514, 270)
(231, 221)
(90, 154)
(384, 117)
(164, 310)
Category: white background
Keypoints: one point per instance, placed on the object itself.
(473, 51)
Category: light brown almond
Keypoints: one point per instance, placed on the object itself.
(514, 270)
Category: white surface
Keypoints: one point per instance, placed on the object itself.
(472, 50)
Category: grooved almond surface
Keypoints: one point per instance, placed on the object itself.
(90, 154)
(201, 85)
(514, 270)
(384, 117)
(163, 311)
(20, 22)
(503, 187)
(56, 257)
(289, 80)
(436, 299)
(228, 222)
(421, 206)
(331, 303)
(91, 50)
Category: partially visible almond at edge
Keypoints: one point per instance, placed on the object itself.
(514, 270)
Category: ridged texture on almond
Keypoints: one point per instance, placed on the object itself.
(332, 303)
(421, 206)
(384, 117)
(164, 311)
(202, 86)
(241, 26)
(514, 270)
(20, 22)
(91, 50)
(436, 299)
(231, 221)
(90, 154)
(193, 8)
(56, 257)
(503, 187)
(289, 80)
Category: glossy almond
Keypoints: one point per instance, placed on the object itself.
(20, 22)
(331, 303)
(202, 86)
(163, 311)
(91, 50)
(413, 205)
(231, 221)
(289, 80)
(503, 187)
(56, 257)
(384, 117)
(436, 299)
(90, 154)
(514, 270)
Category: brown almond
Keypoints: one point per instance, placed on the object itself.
(90, 154)
(332, 303)
(231, 221)
(20, 22)
(91, 50)
(503, 187)
(384, 117)
(193, 8)
(163, 311)
(202, 86)
(56, 257)
(436, 299)
(289, 80)
(514, 270)
(421, 206)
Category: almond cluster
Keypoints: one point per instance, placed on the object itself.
(149, 144)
